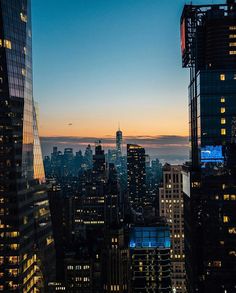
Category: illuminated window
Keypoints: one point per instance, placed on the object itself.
(232, 52)
(226, 219)
(232, 28)
(222, 77)
(232, 36)
(49, 240)
(223, 121)
(140, 266)
(222, 110)
(233, 44)
(222, 99)
(233, 197)
(7, 44)
(226, 197)
(223, 131)
(14, 246)
(232, 230)
(23, 72)
(23, 17)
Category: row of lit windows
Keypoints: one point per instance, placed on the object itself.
(5, 44)
(222, 76)
(229, 197)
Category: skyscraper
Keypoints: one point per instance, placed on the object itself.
(150, 258)
(119, 141)
(136, 174)
(171, 208)
(26, 243)
(208, 42)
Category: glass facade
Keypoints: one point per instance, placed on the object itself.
(22, 241)
(210, 177)
(150, 259)
(153, 237)
(136, 172)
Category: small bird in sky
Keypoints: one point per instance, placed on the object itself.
(70, 124)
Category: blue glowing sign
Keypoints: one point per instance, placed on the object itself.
(150, 237)
(212, 154)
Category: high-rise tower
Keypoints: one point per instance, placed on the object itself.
(119, 141)
(26, 243)
(171, 208)
(208, 43)
(136, 172)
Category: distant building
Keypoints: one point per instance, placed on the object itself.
(136, 172)
(119, 142)
(150, 259)
(171, 208)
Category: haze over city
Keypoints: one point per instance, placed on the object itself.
(111, 62)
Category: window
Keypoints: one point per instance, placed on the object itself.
(232, 52)
(226, 197)
(223, 121)
(23, 71)
(222, 110)
(222, 76)
(222, 99)
(232, 36)
(223, 131)
(7, 44)
(233, 44)
(232, 230)
(225, 219)
(232, 28)
(23, 17)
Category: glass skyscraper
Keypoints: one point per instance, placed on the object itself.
(208, 42)
(26, 242)
(136, 173)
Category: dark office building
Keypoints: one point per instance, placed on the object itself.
(115, 262)
(150, 259)
(136, 172)
(26, 243)
(99, 163)
(208, 42)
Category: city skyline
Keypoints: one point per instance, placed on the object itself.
(172, 149)
(120, 59)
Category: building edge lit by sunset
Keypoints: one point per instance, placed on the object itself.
(26, 242)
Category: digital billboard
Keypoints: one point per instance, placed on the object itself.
(212, 154)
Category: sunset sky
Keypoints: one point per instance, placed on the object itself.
(101, 62)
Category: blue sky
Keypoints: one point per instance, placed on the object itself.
(98, 62)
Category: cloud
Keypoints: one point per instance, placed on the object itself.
(170, 148)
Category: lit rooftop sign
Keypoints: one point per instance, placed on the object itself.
(150, 237)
